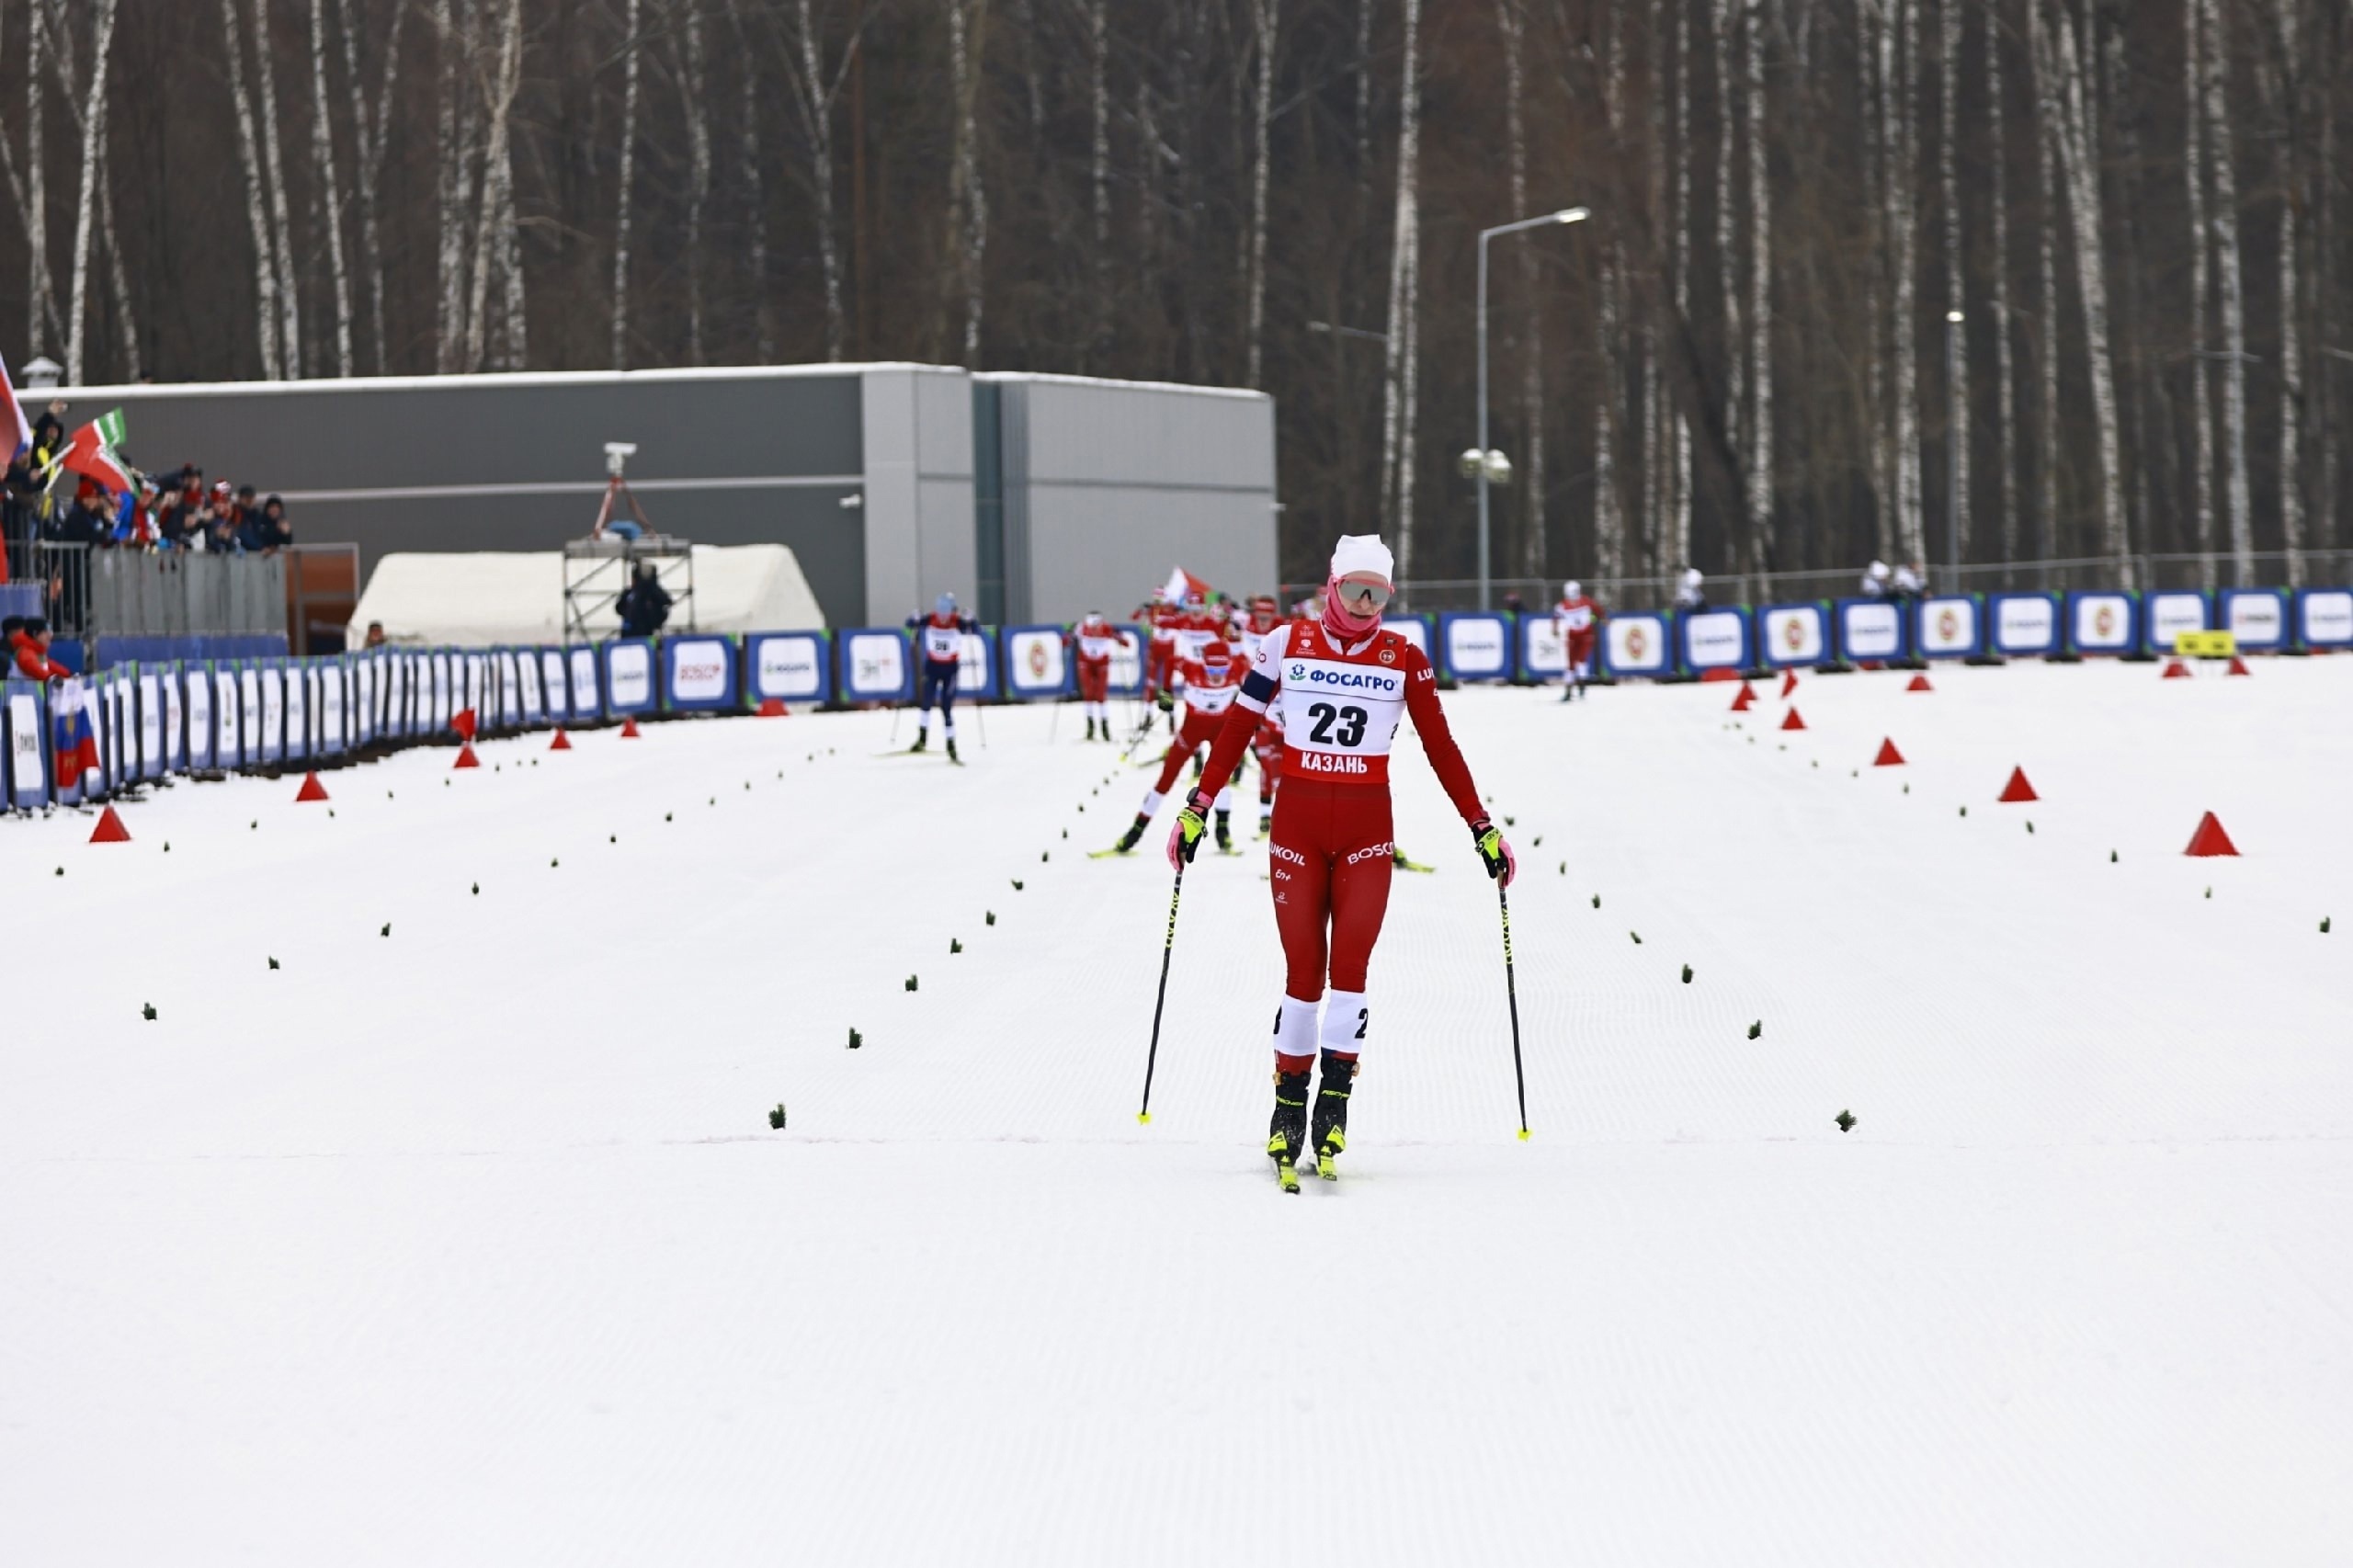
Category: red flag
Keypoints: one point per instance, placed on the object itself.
(462, 720)
(92, 455)
(12, 416)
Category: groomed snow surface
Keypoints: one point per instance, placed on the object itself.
(471, 1243)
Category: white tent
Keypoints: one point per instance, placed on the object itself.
(483, 598)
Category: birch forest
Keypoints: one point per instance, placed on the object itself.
(1747, 360)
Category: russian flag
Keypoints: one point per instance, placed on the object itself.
(1182, 585)
(14, 415)
(77, 745)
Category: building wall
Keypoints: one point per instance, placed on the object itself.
(516, 463)
(1108, 485)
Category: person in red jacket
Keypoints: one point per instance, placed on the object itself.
(1578, 620)
(29, 649)
(1092, 643)
(1159, 654)
(1211, 683)
(1344, 683)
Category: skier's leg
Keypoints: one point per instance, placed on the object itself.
(1361, 868)
(1300, 881)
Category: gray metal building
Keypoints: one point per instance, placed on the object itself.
(1032, 497)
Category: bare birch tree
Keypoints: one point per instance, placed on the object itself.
(1513, 27)
(698, 113)
(2224, 221)
(276, 349)
(289, 303)
(968, 211)
(1398, 404)
(94, 131)
(331, 187)
(1956, 302)
(2006, 389)
(813, 93)
(1264, 18)
(42, 312)
(371, 126)
(493, 248)
(755, 210)
(2194, 168)
(2281, 86)
(631, 48)
(1608, 513)
(2063, 69)
(1760, 302)
(1900, 114)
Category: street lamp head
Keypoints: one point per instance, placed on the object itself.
(1570, 215)
(1471, 463)
(1954, 317)
(1498, 469)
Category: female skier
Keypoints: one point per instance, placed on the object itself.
(1345, 682)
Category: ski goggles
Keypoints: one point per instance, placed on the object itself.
(1362, 594)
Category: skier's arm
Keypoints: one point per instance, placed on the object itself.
(1437, 740)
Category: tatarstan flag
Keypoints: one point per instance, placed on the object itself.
(92, 453)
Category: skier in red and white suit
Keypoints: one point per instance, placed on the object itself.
(1159, 654)
(1267, 744)
(1211, 684)
(1345, 682)
(1092, 642)
(1578, 620)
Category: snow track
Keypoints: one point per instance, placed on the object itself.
(471, 1243)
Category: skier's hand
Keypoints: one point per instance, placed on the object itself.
(1185, 838)
(1502, 865)
(1166, 702)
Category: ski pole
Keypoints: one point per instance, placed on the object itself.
(1511, 993)
(1152, 1059)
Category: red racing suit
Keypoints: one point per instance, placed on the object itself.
(1093, 641)
(1159, 654)
(1579, 621)
(1332, 836)
(1208, 700)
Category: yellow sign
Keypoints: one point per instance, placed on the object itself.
(2205, 644)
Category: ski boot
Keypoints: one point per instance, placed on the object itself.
(1134, 836)
(1287, 1133)
(1090, 729)
(1331, 1133)
(1224, 834)
(1266, 821)
(951, 749)
(923, 742)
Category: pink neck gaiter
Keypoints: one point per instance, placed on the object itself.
(1343, 626)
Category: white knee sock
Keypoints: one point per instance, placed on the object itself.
(1344, 1018)
(1295, 1026)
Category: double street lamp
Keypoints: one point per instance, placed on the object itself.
(1484, 462)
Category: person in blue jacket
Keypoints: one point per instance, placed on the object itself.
(941, 635)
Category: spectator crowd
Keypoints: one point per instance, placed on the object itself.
(162, 512)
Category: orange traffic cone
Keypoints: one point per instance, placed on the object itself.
(466, 757)
(772, 707)
(1792, 722)
(1747, 698)
(2238, 666)
(1789, 682)
(1888, 755)
(2018, 789)
(2177, 670)
(109, 829)
(311, 789)
(2210, 839)
(561, 742)
(1919, 683)
(628, 728)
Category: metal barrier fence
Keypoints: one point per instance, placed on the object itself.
(100, 592)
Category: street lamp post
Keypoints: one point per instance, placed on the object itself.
(1486, 454)
(1954, 397)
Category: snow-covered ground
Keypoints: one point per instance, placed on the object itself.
(471, 1243)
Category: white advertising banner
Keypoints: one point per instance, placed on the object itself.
(1544, 652)
(631, 666)
(28, 781)
(2103, 623)
(1715, 640)
(2027, 623)
(510, 690)
(1635, 644)
(877, 666)
(175, 747)
(151, 725)
(299, 681)
(2172, 614)
(789, 669)
(2257, 620)
(527, 669)
(438, 717)
(699, 668)
(1949, 626)
(330, 713)
(2327, 618)
(202, 734)
(273, 710)
(1478, 647)
(1870, 631)
(1036, 659)
(552, 686)
(227, 751)
(584, 683)
(1796, 634)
